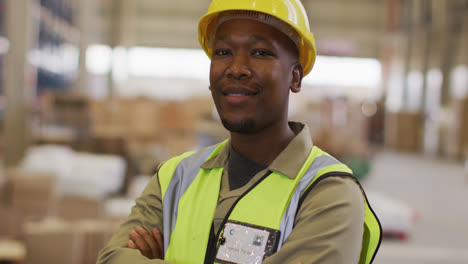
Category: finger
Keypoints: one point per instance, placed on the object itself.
(149, 241)
(130, 244)
(141, 244)
(159, 239)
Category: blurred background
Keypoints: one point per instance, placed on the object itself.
(94, 94)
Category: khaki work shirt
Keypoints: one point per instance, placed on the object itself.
(328, 227)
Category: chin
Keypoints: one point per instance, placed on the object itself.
(243, 126)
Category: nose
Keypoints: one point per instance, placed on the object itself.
(239, 67)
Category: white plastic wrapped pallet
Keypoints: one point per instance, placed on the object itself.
(78, 173)
(396, 217)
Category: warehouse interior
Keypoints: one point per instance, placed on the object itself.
(95, 94)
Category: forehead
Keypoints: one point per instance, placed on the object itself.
(252, 30)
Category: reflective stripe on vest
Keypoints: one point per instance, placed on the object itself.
(190, 196)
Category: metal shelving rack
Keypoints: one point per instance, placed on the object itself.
(43, 54)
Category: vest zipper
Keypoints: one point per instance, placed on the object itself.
(212, 247)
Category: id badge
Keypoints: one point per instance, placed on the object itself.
(243, 243)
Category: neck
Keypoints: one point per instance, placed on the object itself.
(264, 146)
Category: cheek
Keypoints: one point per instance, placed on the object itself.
(216, 71)
(279, 86)
(212, 69)
(278, 77)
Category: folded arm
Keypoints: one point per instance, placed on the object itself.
(147, 213)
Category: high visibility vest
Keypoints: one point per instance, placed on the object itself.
(190, 196)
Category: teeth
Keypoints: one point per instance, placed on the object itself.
(236, 94)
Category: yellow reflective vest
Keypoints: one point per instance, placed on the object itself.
(190, 196)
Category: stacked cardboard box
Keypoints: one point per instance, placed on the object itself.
(72, 110)
(357, 129)
(144, 118)
(96, 235)
(464, 125)
(452, 141)
(176, 144)
(391, 130)
(455, 129)
(77, 207)
(52, 241)
(404, 131)
(65, 120)
(129, 118)
(177, 117)
(106, 118)
(410, 132)
(3, 191)
(146, 131)
(7, 223)
(71, 242)
(32, 194)
(338, 127)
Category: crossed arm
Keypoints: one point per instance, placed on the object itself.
(328, 229)
(333, 230)
(150, 245)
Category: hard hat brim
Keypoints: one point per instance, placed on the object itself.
(306, 46)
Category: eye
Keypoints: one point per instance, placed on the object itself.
(221, 52)
(262, 53)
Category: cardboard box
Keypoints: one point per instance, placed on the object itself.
(404, 131)
(4, 192)
(177, 143)
(410, 132)
(71, 242)
(144, 122)
(76, 208)
(53, 241)
(96, 235)
(391, 130)
(451, 127)
(464, 125)
(177, 117)
(454, 129)
(34, 194)
(7, 221)
(11, 223)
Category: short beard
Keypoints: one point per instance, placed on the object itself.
(243, 127)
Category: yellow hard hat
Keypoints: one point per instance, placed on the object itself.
(291, 12)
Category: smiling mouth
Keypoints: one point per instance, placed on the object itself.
(237, 92)
(238, 95)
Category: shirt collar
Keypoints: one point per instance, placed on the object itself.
(289, 162)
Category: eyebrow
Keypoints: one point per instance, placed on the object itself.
(252, 38)
(258, 38)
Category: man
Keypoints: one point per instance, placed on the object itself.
(266, 194)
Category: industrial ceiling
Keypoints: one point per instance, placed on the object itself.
(341, 27)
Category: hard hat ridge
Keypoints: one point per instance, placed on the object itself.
(263, 18)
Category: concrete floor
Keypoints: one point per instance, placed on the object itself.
(438, 190)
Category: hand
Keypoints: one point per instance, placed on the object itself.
(151, 246)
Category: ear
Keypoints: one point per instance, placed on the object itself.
(297, 75)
